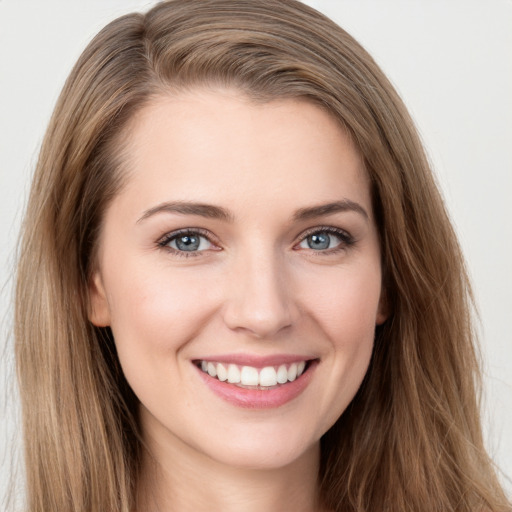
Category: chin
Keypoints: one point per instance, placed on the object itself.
(264, 454)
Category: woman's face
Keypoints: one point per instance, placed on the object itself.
(241, 253)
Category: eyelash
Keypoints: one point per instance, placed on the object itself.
(346, 240)
(169, 237)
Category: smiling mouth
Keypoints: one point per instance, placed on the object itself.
(250, 377)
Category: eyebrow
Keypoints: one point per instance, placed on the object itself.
(217, 212)
(189, 208)
(345, 205)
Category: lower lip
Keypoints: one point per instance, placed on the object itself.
(259, 398)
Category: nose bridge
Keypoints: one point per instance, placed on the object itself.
(259, 300)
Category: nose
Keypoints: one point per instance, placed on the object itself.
(260, 297)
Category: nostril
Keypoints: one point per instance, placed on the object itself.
(260, 323)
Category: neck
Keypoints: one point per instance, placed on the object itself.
(176, 478)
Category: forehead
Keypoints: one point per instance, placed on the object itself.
(219, 146)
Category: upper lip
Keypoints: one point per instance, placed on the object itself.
(255, 360)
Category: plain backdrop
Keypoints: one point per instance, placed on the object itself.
(451, 61)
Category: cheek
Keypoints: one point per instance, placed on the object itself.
(349, 319)
(156, 312)
(345, 304)
(346, 313)
(154, 315)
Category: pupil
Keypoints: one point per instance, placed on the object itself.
(318, 241)
(187, 243)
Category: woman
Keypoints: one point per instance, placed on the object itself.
(242, 285)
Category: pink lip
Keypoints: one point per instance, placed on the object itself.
(257, 398)
(257, 361)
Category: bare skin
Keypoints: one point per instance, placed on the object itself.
(214, 487)
(243, 237)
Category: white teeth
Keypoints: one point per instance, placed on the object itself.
(249, 376)
(292, 372)
(222, 373)
(268, 376)
(233, 374)
(212, 370)
(282, 374)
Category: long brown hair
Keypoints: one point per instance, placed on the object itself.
(411, 438)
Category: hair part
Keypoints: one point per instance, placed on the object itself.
(411, 438)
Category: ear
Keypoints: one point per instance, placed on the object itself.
(99, 309)
(383, 308)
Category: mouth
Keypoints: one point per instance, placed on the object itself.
(254, 382)
(251, 377)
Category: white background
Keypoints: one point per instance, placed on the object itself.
(451, 62)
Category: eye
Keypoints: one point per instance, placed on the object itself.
(186, 241)
(325, 239)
